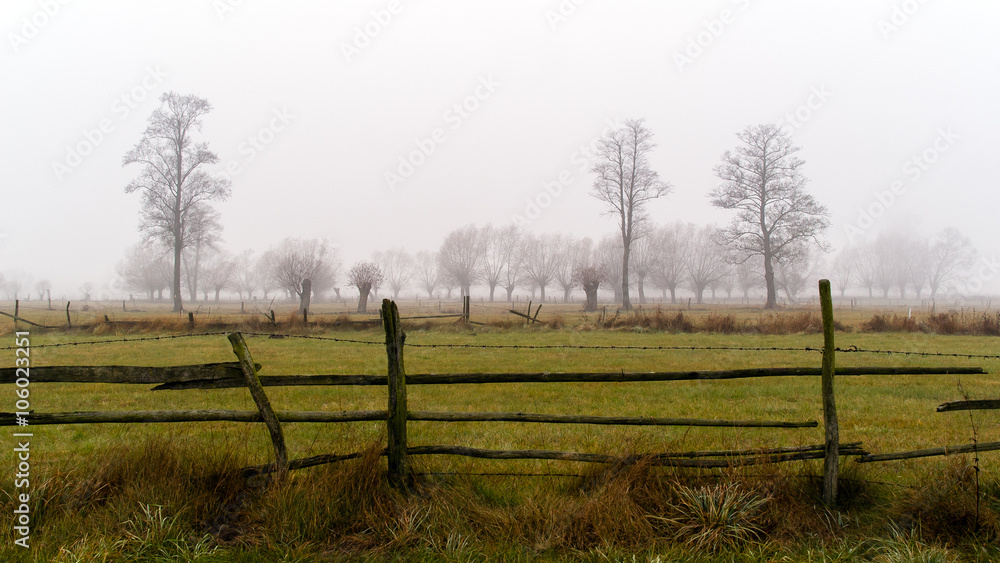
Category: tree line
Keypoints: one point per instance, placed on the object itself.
(775, 239)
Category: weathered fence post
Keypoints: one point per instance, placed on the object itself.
(394, 338)
(831, 463)
(263, 404)
(69, 323)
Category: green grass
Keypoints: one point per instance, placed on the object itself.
(321, 514)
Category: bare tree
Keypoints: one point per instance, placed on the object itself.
(220, 270)
(245, 279)
(842, 270)
(672, 248)
(397, 266)
(44, 289)
(866, 266)
(950, 254)
(706, 262)
(625, 182)
(763, 182)
(643, 263)
(542, 259)
(173, 181)
(792, 276)
(589, 276)
(576, 254)
(296, 260)
(513, 271)
(145, 268)
(500, 246)
(204, 231)
(426, 271)
(608, 255)
(461, 257)
(367, 277)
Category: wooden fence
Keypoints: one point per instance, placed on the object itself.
(397, 413)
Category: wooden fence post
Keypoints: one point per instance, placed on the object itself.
(832, 461)
(263, 404)
(396, 426)
(69, 323)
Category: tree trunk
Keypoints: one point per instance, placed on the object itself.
(363, 289)
(642, 294)
(673, 294)
(591, 290)
(510, 294)
(772, 297)
(627, 244)
(493, 287)
(566, 292)
(306, 296)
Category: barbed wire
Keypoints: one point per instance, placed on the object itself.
(847, 349)
(855, 349)
(120, 340)
(618, 347)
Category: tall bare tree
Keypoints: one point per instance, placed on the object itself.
(763, 182)
(626, 183)
(173, 180)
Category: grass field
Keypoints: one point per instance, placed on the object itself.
(115, 474)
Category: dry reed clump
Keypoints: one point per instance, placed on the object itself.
(945, 507)
(349, 503)
(656, 320)
(983, 324)
(725, 324)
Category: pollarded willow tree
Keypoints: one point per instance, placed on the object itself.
(775, 216)
(367, 277)
(626, 182)
(174, 183)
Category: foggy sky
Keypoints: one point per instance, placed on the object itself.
(894, 103)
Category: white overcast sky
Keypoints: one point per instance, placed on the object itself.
(335, 107)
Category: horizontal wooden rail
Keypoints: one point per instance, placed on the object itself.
(679, 459)
(126, 417)
(614, 420)
(127, 374)
(930, 452)
(982, 404)
(666, 459)
(555, 377)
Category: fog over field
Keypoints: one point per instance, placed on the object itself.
(390, 124)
